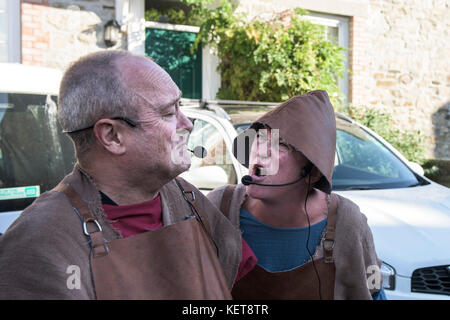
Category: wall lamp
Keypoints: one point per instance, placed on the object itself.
(111, 33)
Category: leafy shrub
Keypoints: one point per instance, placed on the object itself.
(262, 60)
(272, 60)
(437, 170)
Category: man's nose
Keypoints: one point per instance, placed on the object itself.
(184, 122)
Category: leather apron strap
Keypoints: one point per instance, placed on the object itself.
(328, 241)
(226, 200)
(91, 227)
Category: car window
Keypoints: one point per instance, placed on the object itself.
(362, 162)
(34, 153)
(216, 169)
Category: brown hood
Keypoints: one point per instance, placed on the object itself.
(308, 123)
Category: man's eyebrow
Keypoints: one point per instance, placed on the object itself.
(171, 103)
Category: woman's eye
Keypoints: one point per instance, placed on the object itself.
(261, 137)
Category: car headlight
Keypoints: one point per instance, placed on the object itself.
(388, 274)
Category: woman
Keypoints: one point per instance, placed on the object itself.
(309, 243)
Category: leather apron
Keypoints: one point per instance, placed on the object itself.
(174, 262)
(301, 283)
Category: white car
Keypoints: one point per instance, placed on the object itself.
(409, 215)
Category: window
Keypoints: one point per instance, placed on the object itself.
(9, 31)
(338, 32)
(169, 46)
(216, 169)
(362, 162)
(34, 153)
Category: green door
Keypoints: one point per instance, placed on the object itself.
(171, 50)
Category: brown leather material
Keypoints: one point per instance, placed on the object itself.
(76, 201)
(226, 200)
(173, 262)
(328, 242)
(90, 226)
(300, 283)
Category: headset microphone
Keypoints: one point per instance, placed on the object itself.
(248, 180)
(199, 152)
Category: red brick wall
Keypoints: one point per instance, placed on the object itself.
(358, 42)
(35, 41)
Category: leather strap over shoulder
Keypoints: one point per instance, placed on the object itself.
(76, 201)
(197, 213)
(98, 243)
(328, 243)
(226, 199)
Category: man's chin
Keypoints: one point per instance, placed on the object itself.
(182, 167)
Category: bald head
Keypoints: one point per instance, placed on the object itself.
(147, 79)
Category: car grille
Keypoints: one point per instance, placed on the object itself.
(431, 280)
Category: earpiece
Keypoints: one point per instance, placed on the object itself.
(306, 169)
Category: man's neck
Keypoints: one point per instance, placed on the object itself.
(120, 187)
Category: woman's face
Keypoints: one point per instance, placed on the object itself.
(273, 161)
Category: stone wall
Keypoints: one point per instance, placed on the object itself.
(409, 45)
(56, 32)
(399, 58)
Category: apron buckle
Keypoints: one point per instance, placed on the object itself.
(85, 226)
(328, 246)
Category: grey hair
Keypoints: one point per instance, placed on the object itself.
(92, 89)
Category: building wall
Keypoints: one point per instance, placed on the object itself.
(398, 57)
(408, 45)
(56, 32)
(398, 50)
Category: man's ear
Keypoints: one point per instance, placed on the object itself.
(110, 136)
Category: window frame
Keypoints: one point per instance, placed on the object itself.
(342, 24)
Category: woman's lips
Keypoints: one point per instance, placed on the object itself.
(255, 173)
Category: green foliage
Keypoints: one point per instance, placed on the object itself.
(263, 60)
(269, 60)
(409, 142)
(192, 14)
(437, 170)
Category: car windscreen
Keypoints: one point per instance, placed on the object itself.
(34, 153)
(363, 162)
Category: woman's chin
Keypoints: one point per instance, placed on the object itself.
(259, 192)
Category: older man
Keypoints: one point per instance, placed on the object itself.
(121, 226)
